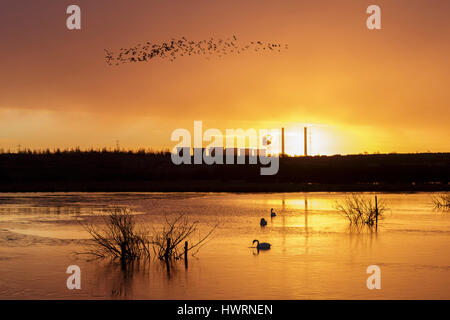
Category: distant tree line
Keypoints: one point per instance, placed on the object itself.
(147, 170)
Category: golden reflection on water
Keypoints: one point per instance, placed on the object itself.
(314, 255)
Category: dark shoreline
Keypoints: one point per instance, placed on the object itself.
(105, 171)
(217, 186)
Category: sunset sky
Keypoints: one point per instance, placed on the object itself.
(358, 90)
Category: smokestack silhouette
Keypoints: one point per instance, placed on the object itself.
(282, 141)
(306, 141)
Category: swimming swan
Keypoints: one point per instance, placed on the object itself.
(263, 222)
(272, 213)
(262, 245)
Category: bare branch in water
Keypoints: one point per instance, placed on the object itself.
(118, 238)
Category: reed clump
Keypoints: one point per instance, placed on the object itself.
(361, 211)
(441, 201)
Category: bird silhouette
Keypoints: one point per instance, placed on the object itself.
(182, 47)
(262, 245)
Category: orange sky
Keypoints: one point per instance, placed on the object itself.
(358, 90)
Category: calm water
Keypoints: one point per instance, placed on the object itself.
(314, 254)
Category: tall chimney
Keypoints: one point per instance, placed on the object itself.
(306, 141)
(282, 141)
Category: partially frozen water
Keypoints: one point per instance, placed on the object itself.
(314, 255)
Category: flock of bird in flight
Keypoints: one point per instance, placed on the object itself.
(183, 47)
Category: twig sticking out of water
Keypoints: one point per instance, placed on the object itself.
(169, 242)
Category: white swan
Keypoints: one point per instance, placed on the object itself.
(262, 245)
(272, 213)
(263, 222)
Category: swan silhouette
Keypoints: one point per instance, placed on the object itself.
(263, 222)
(262, 245)
(272, 213)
